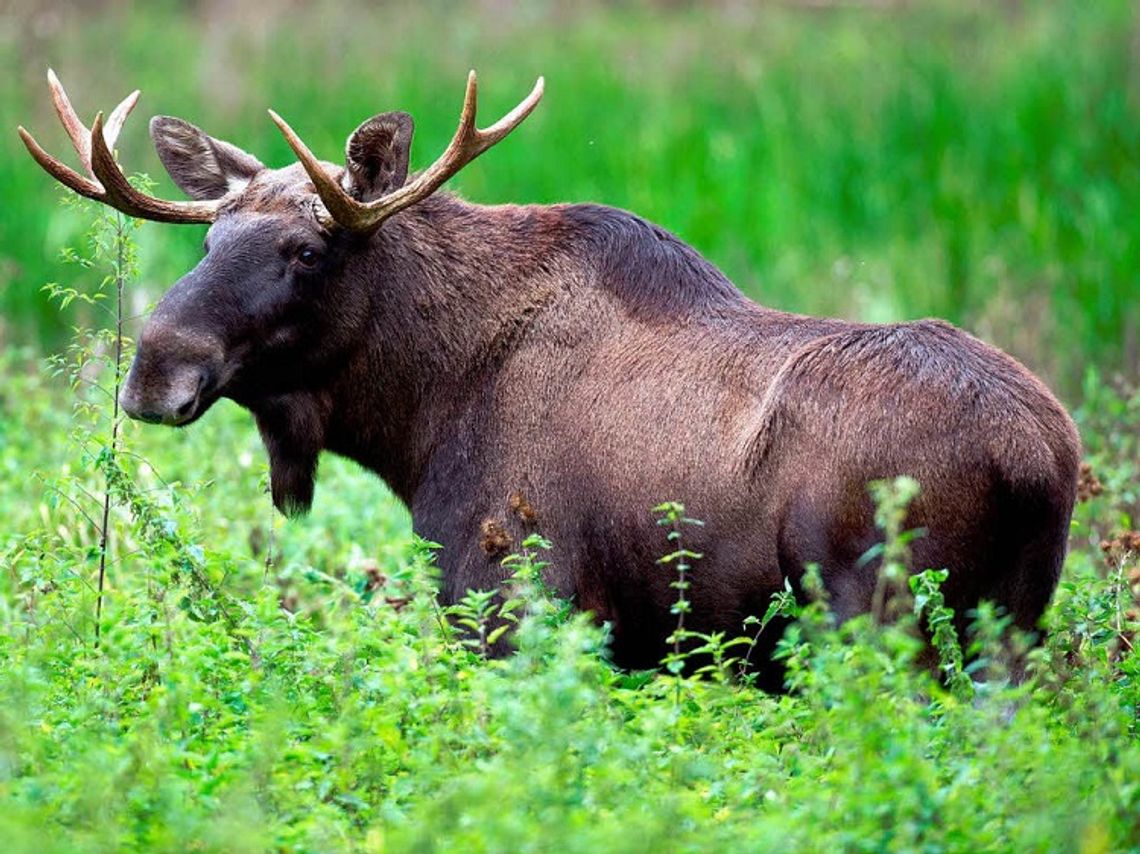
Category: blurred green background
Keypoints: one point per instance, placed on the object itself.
(876, 160)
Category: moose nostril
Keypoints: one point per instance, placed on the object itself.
(147, 416)
(186, 408)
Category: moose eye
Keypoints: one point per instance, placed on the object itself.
(308, 257)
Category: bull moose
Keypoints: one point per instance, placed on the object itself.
(567, 367)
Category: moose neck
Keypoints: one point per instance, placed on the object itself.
(451, 287)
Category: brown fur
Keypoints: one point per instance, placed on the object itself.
(485, 361)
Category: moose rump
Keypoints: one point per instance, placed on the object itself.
(994, 454)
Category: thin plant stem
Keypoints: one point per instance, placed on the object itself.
(120, 261)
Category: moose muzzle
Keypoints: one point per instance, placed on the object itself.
(174, 376)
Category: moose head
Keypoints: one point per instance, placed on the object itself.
(257, 314)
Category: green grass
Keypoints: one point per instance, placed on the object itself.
(979, 162)
(308, 699)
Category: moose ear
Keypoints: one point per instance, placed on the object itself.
(203, 167)
(376, 156)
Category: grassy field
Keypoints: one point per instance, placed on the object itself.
(254, 684)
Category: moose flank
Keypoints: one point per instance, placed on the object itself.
(563, 369)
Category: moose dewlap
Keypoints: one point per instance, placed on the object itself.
(566, 368)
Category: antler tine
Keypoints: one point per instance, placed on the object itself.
(340, 206)
(118, 118)
(106, 182)
(59, 170)
(467, 144)
(489, 136)
(470, 107)
(77, 132)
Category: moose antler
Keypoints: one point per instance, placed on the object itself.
(467, 144)
(105, 181)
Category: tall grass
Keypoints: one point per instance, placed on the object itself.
(979, 162)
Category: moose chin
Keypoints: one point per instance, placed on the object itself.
(564, 368)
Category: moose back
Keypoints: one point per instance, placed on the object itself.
(564, 369)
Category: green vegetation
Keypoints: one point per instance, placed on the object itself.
(210, 677)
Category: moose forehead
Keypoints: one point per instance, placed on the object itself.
(286, 191)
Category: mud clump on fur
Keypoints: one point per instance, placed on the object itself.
(493, 538)
(522, 508)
